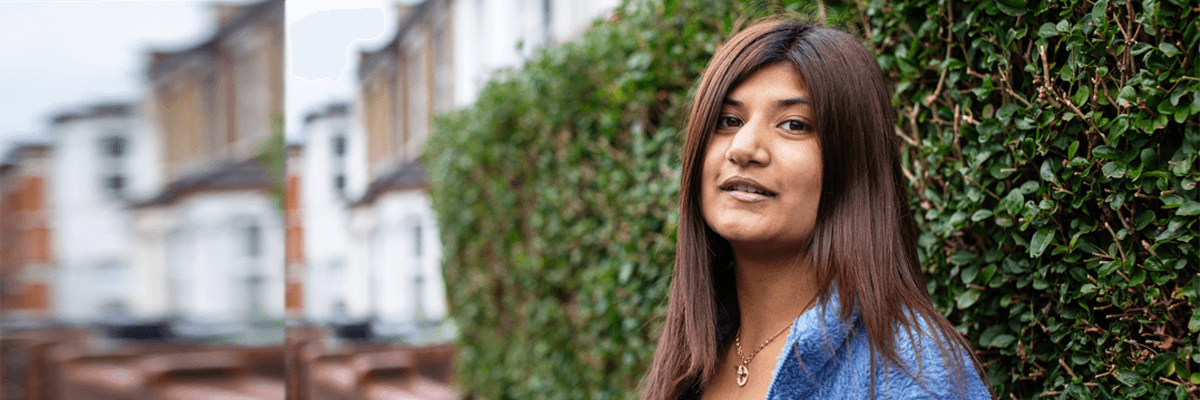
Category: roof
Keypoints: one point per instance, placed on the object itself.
(96, 110)
(163, 62)
(333, 109)
(411, 175)
(248, 174)
(9, 157)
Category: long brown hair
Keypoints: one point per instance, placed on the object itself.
(863, 247)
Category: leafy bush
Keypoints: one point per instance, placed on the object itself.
(556, 200)
(1053, 160)
(1053, 153)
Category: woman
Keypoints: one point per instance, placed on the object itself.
(797, 274)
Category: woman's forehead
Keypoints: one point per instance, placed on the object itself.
(777, 83)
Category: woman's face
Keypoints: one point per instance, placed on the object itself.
(761, 177)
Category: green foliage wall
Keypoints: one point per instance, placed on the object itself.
(556, 201)
(1053, 153)
(1053, 160)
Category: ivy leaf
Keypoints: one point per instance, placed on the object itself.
(1081, 95)
(966, 300)
(1047, 30)
(969, 274)
(996, 336)
(1046, 172)
(1118, 128)
(625, 272)
(1114, 169)
(1005, 112)
(962, 257)
(1182, 168)
(1168, 49)
(1040, 241)
(1128, 377)
(1144, 219)
(1011, 7)
(1171, 201)
(1141, 47)
(1003, 340)
(1105, 152)
(1189, 208)
(1063, 26)
(1127, 96)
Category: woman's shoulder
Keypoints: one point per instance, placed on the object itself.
(933, 365)
(828, 357)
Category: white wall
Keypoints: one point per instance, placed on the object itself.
(214, 260)
(323, 207)
(152, 230)
(408, 222)
(383, 260)
(194, 258)
(91, 226)
(487, 33)
(357, 177)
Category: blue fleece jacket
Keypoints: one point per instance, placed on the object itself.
(827, 358)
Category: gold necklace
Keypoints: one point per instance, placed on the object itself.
(743, 372)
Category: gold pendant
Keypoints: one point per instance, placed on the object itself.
(743, 375)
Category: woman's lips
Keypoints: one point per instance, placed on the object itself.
(746, 189)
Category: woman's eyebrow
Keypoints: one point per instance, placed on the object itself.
(793, 101)
(779, 104)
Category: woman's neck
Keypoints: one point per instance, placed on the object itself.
(773, 288)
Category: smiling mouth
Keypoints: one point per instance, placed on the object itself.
(747, 186)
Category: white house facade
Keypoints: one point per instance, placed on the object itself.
(104, 159)
(372, 251)
(325, 193)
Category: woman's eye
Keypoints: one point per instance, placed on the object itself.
(729, 122)
(794, 125)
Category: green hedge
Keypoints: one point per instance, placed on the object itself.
(1052, 152)
(1053, 147)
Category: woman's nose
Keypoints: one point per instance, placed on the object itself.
(747, 147)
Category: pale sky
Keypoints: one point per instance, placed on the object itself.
(58, 56)
(324, 40)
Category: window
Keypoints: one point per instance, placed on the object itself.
(336, 275)
(113, 146)
(253, 240)
(417, 241)
(418, 276)
(254, 280)
(339, 145)
(177, 257)
(115, 183)
(255, 290)
(110, 288)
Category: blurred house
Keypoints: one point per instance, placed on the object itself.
(490, 35)
(142, 245)
(393, 254)
(104, 158)
(371, 247)
(27, 262)
(213, 235)
(326, 163)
